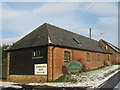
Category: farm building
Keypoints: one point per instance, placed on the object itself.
(115, 58)
(43, 54)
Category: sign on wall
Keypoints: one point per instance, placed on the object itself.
(40, 69)
(74, 66)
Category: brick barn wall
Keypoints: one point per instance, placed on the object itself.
(58, 66)
(27, 78)
(75, 55)
(115, 58)
(49, 63)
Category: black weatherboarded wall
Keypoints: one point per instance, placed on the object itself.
(21, 62)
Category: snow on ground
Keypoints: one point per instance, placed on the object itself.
(9, 84)
(87, 79)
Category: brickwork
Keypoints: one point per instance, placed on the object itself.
(27, 78)
(49, 62)
(115, 58)
(75, 55)
(57, 66)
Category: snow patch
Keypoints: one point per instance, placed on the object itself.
(87, 79)
(9, 84)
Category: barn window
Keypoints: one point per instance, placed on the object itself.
(66, 56)
(37, 54)
(88, 56)
(98, 57)
(108, 57)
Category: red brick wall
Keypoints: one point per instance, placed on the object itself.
(75, 55)
(27, 78)
(49, 63)
(55, 68)
(115, 58)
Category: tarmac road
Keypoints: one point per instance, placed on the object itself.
(111, 83)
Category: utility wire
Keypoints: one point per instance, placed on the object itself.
(84, 14)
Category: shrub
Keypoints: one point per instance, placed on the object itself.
(60, 79)
(105, 63)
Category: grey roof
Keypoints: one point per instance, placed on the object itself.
(112, 46)
(46, 34)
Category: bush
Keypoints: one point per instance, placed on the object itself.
(66, 78)
(60, 79)
(105, 63)
(3, 54)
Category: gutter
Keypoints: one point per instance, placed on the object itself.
(50, 44)
(53, 62)
(60, 46)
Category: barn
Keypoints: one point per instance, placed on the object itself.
(115, 58)
(43, 54)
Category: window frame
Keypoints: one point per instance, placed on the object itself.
(88, 56)
(108, 58)
(98, 56)
(65, 53)
(37, 53)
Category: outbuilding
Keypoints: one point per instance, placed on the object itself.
(43, 54)
(115, 58)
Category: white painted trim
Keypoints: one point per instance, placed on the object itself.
(49, 40)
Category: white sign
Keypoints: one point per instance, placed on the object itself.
(40, 69)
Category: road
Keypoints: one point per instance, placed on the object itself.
(111, 83)
(117, 86)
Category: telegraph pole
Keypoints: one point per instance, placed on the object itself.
(90, 33)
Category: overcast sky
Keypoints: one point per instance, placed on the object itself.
(20, 18)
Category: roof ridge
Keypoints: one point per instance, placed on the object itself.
(111, 45)
(46, 25)
(50, 34)
(70, 31)
(24, 37)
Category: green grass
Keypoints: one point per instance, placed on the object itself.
(65, 78)
(60, 79)
(96, 69)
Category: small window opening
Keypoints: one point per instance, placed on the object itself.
(108, 58)
(98, 57)
(37, 54)
(88, 56)
(66, 56)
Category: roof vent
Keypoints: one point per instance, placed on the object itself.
(76, 40)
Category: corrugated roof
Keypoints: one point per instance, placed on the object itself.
(47, 33)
